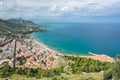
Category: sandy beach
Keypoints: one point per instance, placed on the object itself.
(40, 55)
(46, 47)
(102, 57)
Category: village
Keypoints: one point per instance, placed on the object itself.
(36, 55)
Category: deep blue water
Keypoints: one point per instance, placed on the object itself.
(81, 38)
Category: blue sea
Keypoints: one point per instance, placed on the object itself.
(81, 38)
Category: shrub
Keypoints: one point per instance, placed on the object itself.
(5, 71)
(54, 78)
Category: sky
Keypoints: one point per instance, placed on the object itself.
(61, 10)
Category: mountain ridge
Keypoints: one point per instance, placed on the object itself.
(17, 23)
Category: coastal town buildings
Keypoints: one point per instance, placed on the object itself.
(36, 54)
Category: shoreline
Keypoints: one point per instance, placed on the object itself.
(100, 57)
(45, 46)
(60, 53)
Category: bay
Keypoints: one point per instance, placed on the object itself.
(81, 38)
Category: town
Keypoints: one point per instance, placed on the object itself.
(19, 49)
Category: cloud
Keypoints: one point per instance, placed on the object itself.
(57, 8)
(53, 8)
(66, 8)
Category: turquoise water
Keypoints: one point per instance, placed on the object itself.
(81, 38)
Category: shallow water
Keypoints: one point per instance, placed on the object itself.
(81, 38)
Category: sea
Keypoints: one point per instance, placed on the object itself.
(82, 38)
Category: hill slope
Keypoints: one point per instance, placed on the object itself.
(18, 26)
(17, 23)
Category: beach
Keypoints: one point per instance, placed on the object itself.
(39, 55)
(81, 38)
(102, 57)
(46, 47)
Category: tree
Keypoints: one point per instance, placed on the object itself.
(40, 72)
(21, 60)
(116, 69)
(5, 71)
(108, 75)
(19, 71)
(113, 73)
(54, 78)
(67, 69)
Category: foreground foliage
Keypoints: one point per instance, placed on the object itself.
(74, 65)
(6, 71)
(63, 76)
(114, 72)
(79, 64)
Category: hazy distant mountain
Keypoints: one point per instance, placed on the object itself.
(17, 23)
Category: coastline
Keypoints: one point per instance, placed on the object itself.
(45, 46)
(102, 57)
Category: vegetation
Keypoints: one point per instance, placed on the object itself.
(74, 66)
(18, 28)
(6, 71)
(1, 50)
(114, 72)
(63, 76)
(21, 60)
(79, 64)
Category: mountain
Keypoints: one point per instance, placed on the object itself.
(16, 26)
(25, 23)
(17, 23)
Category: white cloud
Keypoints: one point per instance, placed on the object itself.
(57, 8)
(53, 8)
(64, 9)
